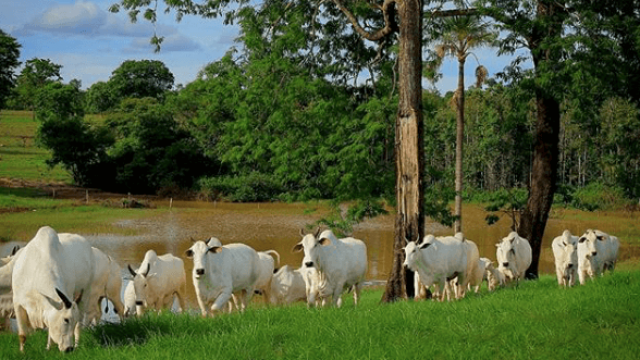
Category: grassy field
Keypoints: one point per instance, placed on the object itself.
(537, 320)
(19, 156)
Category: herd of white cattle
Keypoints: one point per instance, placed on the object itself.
(58, 281)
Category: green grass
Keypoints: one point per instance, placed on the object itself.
(537, 320)
(20, 158)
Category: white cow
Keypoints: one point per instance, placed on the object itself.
(220, 271)
(266, 269)
(107, 283)
(157, 280)
(438, 261)
(514, 256)
(565, 253)
(597, 251)
(341, 264)
(46, 274)
(290, 285)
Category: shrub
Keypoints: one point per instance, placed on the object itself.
(598, 196)
(246, 188)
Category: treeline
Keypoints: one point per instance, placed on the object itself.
(290, 116)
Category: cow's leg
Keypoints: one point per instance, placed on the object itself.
(356, 293)
(202, 305)
(337, 294)
(76, 333)
(220, 302)
(180, 297)
(22, 319)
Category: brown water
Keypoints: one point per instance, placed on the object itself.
(277, 226)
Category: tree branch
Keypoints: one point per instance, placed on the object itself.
(390, 25)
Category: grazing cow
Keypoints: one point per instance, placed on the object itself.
(341, 264)
(107, 283)
(266, 269)
(438, 261)
(46, 274)
(290, 285)
(474, 273)
(597, 251)
(514, 256)
(157, 280)
(565, 253)
(220, 271)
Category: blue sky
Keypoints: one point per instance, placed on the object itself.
(90, 42)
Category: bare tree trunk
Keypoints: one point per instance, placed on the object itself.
(544, 169)
(409, 223)
(459, 146)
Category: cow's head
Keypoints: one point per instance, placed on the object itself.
(506, 255)
(311, 245)
(141, 280)
(588, 243)
(412, 254)
(62, 320)
(198, 252)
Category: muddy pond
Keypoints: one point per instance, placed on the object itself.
(276, 226)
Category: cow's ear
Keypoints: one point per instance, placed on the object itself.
(56, 304)
(297, 248)
(133, 273)
(215, 249)
(325, 241)
(424, 245)
(498, 245)
(189, 254)
(79, 297)
(601, 238)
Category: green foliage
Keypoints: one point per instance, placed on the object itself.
(508, 202)
(34, 76)
(140, 79)
(597, 196)
(253, 187)
(100, 97)
(9, 61)
(152, 150)
(57, 100)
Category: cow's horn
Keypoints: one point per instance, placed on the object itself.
(65, 300)
(133, 273)
(148, 269)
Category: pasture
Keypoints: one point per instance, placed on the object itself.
(536, 320)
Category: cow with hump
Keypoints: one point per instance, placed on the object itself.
(440, 260)
(565, 253)
(514, 256)
(157, 280)
(597, 252)
(341, 264)
(48, 280)
(221, 271)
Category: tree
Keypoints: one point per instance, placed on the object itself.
(539, 26)
(100, 97)
(460, 35)
(35, 75)
(9, 55)
(140, 79)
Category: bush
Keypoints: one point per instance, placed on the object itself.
(247, 188)
(598, 196)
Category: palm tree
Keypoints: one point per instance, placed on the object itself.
(459, 35)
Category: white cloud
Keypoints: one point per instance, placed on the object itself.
(82, 18)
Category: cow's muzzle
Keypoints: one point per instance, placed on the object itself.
(199, 272)
(69, 349)
(139, 303)
(505, 264)
(308, 264)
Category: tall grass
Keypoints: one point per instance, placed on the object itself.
(536, 320)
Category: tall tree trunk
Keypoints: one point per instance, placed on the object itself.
(409, 154)
(544, 169)
(459, 145)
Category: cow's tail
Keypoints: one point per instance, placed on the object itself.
(272, 253)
